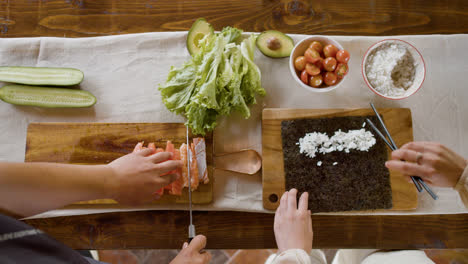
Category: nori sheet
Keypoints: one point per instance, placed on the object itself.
(360, 180)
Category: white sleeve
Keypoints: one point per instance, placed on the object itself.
(462, 187)
(299, 256)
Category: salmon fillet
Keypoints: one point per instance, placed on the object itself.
(178, 184)
(200, 150)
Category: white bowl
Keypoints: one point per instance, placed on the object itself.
(420, 73)
(299, 50)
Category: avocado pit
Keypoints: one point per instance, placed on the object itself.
(273, 43)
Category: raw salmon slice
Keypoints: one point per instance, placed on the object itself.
(178, 184)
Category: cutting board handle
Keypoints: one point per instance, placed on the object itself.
(246, 161)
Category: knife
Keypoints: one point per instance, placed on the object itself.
(191, 228)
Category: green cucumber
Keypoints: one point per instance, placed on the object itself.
(46, 96)
(199, 29)
(41, 75)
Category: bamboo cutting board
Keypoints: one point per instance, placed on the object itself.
(101, 143)
(397, 120)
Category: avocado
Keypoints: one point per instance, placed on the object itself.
(275, 44)
(200, 28)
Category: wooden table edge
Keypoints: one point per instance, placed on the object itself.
(242, 230)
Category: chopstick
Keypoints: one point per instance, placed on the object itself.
(418, 181)
(384, 126)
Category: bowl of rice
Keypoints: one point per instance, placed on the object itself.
(393, 69)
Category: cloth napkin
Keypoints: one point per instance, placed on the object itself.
(123, 72)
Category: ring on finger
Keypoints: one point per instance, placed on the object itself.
(419, 157)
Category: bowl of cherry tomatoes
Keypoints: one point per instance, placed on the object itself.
(319, 64)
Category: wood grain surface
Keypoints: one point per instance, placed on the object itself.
(101, 143)
(397, 120)
(224, 230)
(84, 18)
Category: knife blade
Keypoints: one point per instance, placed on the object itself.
(191, 228)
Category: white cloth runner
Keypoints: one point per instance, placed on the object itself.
(123, 73)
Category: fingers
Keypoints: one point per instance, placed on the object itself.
(416, 146)
(169, 178)
(304, 202)
(425, 147)
(160, 157)
(185, 245)
(138, 147)
(283, 203)
(409, 168)
(198, 243)
(292, 202)
(144, 152)
(405, 154)
(168, 166)
(408, 178)
(206, 257)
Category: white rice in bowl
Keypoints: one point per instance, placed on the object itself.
(394, 69)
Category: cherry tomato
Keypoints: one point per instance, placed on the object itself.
(319, 63)
(300, 63)
(304, 77)
(312, 69)
(342, 56)
(329, 64)
(341, 70)
(315, 45)
(312, 55)
(330, 78)
(330, 51)
(316, 81)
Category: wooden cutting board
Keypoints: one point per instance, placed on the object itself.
(101, 143)
(397, 120)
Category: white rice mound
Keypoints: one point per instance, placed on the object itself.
(314, 142)
(391, 69)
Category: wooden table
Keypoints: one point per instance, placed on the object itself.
(166, 229)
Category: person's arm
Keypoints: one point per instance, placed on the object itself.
(433, 162)
(31, 188)
(293, 231)
(462, 187)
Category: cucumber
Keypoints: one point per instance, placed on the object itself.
(199, 29)
(46, 96)
(41, 75)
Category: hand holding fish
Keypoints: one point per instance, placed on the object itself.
(138, 175)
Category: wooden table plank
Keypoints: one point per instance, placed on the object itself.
(224, 230)
(84, 18)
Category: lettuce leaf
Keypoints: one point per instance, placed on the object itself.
(219, 79)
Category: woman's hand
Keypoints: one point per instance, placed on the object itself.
(293, 225)
(137, 176)
(433, 162)
(190, 253)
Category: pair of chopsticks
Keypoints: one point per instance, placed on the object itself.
(418, 182)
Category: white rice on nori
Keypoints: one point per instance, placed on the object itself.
(359, 139)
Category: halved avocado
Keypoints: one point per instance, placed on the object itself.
(275, 44)
(200, 28)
